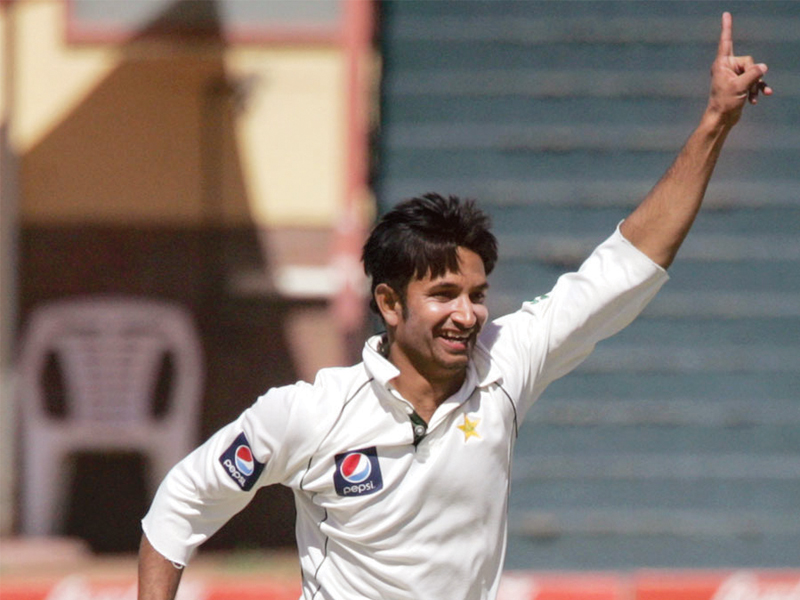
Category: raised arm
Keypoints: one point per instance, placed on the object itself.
(660, 223)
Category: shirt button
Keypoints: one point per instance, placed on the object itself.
(419, 430)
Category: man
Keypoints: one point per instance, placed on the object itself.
(400, 464)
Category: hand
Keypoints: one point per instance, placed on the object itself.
(734, 79)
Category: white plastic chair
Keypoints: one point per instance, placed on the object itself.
(111, 353)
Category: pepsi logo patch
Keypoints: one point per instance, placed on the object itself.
(239, 463)
(244, 460)
(357, 473)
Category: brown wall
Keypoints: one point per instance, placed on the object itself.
(140, 187)
(244, 343)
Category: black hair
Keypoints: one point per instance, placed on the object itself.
(421, 236)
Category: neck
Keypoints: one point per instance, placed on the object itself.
(425, 391)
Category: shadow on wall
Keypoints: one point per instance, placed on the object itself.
(158, 132)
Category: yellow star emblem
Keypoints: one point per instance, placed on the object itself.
(469, 428)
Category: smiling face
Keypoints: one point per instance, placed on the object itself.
(433, 330)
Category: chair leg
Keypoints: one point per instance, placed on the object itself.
(46, 474)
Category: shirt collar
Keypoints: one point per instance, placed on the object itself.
(481, 370)
(486, 369)
(378, 366)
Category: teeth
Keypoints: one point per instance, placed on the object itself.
(457, 338)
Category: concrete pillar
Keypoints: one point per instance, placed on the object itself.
(8, 269)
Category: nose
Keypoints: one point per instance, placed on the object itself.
(464, 313)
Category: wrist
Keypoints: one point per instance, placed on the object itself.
(717, 121)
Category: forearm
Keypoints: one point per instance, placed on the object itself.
(158, 577)
(660, 223)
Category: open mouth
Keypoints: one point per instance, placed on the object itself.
(457, 341)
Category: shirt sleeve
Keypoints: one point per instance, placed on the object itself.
(218, 479)
(551, 335)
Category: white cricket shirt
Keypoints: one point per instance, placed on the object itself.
(378, 516)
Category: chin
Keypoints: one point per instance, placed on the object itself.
(456, 363)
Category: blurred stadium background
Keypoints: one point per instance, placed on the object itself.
(226, 156)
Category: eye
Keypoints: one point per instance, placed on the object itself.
(478, 297)
(443, 293)
(444, 296)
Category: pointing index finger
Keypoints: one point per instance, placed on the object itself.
(726, 36)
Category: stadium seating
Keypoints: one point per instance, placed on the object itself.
(677, 444)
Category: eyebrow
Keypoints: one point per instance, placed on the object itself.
(446, 285)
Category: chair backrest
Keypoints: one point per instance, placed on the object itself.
(111, 352)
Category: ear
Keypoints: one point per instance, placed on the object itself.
(389, 303)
